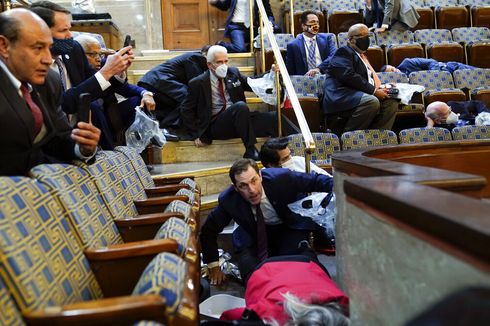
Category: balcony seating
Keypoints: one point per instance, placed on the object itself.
(424, 135)
(367, 138)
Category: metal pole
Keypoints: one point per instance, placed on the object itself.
(307, 160)
(251, 31)
(262, 50)
(291, 16)
(278, 101)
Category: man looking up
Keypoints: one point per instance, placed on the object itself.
(33, 128)
(352, 88)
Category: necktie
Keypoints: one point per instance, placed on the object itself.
(35, 110)
(61, 69)
(311, 54)
(261, 234)
(221, 90)
(377, 82)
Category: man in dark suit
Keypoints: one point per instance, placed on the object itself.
(409, 65)
(258, 202)
(310, 52)
(398, 15)
(237, 26)
(77, 76)
(352, 88)
(33, 128)
(168, 82)
(215, 107)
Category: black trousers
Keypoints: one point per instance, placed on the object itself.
(238, 121)
(167, 108)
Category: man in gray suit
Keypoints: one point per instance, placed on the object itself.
(399, 15)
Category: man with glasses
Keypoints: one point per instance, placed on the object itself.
(258, 202)
(352, 89)
(310, 52)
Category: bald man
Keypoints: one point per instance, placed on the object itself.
(440, 113)
(352, 88)
(33, 129)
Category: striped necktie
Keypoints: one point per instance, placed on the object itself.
(311, 54)
(61, 69)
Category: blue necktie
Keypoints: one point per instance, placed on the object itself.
(311, 55)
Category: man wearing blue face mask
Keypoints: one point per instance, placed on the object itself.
(215, 107)
(352, 88)
(77, 76)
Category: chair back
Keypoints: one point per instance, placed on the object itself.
(424, 135)
(368, 138)
(471, 132)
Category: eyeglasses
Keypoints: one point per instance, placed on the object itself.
(94, 54)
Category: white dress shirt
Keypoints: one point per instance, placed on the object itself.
(318, 58)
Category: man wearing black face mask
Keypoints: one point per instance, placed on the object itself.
(310, 52)
(351, 89)
(77, 76)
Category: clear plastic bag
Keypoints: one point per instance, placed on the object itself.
(264, 87)
(321, 208)
(143, 129)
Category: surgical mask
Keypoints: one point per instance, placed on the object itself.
(221, 71)
(452, 118)
(363, 43)
(62, 46)
(288, 164)
(313, 29)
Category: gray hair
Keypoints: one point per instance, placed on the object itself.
(213, 50)
(303, 314)
(85, 40)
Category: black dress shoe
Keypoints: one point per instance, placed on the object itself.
(252, 153)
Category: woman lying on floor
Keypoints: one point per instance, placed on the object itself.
(291, 290)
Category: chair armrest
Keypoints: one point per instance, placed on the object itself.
(169, 180)
(166, 189)
(117, 311)
(156, 204)
(119, 267)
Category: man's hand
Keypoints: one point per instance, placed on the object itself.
(199, 143)
(117, 63)
(216, 276)
(148, 100)
(313, 72)
(87, 137)
(381, 94)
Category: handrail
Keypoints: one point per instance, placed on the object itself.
(291, 16)
(303, 125)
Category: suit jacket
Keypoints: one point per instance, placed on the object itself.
(399, 10)
(281, 187)
(171, 77)
(18, 151)
(196, 110)
(231, 4)
(346, 80)
(296, 60)
(82, 79)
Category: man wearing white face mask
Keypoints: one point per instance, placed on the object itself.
(440, 113)
(310, 52)
(215, 106)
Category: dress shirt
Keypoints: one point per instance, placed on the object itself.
(104, 84)
(369, 74)
(241, 13)
(297, 163)
(216, 102)
(318, 58)
(270, 214)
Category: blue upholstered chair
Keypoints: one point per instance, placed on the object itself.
(424, 135)
(471, 132)
(368, 138)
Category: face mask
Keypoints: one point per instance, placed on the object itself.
(313, 29)
(363, 43)
(62, 46)
(221, 71)
(452, 118)
(288, 164)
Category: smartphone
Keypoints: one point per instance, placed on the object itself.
(127, 41)
(83, 111)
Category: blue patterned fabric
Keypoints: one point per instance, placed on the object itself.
(470, 35)
(193, 200)
(471, 79)
(178, 206)
(10, 315)
(392, 77)
(281, 39)
(389, 38)
(412, 107)
(320, 84)
(341, 5)
(176, 229)
(444, 3)
(471, 132)
(305, 86)
(424, 135)
(432, 79)
(419, 3)
(138, 164)
(431, 36)
(82, 203)
(368, 138)
(302, 5)
(326, 144)
(41, 262)
(166, 276)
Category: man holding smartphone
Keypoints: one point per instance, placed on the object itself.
(33, 129)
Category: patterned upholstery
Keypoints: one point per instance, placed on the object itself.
(41, 262)
(342, 38)
(419, 3)
(305, 86)
(340, 5)
(281, 39)
(189, 182)
(190, 194)
(470, 35)
(326, 144)
(424, 135)
(392, 77)
(98, 37)
(444, 3)
(166, 276)
(176, 229)
(430, 36)
(138, 164)
(471, 79)
(178, 206)
(412, 108)
(110, 185)
(431, 79)
(302, 5)
(10, 315)
(368, 138)
(471, 132)
(320, 84)
(389, 38)
(82, 203)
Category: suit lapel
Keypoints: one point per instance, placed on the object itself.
(207, 89)
(322, 46)
(303, 51)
